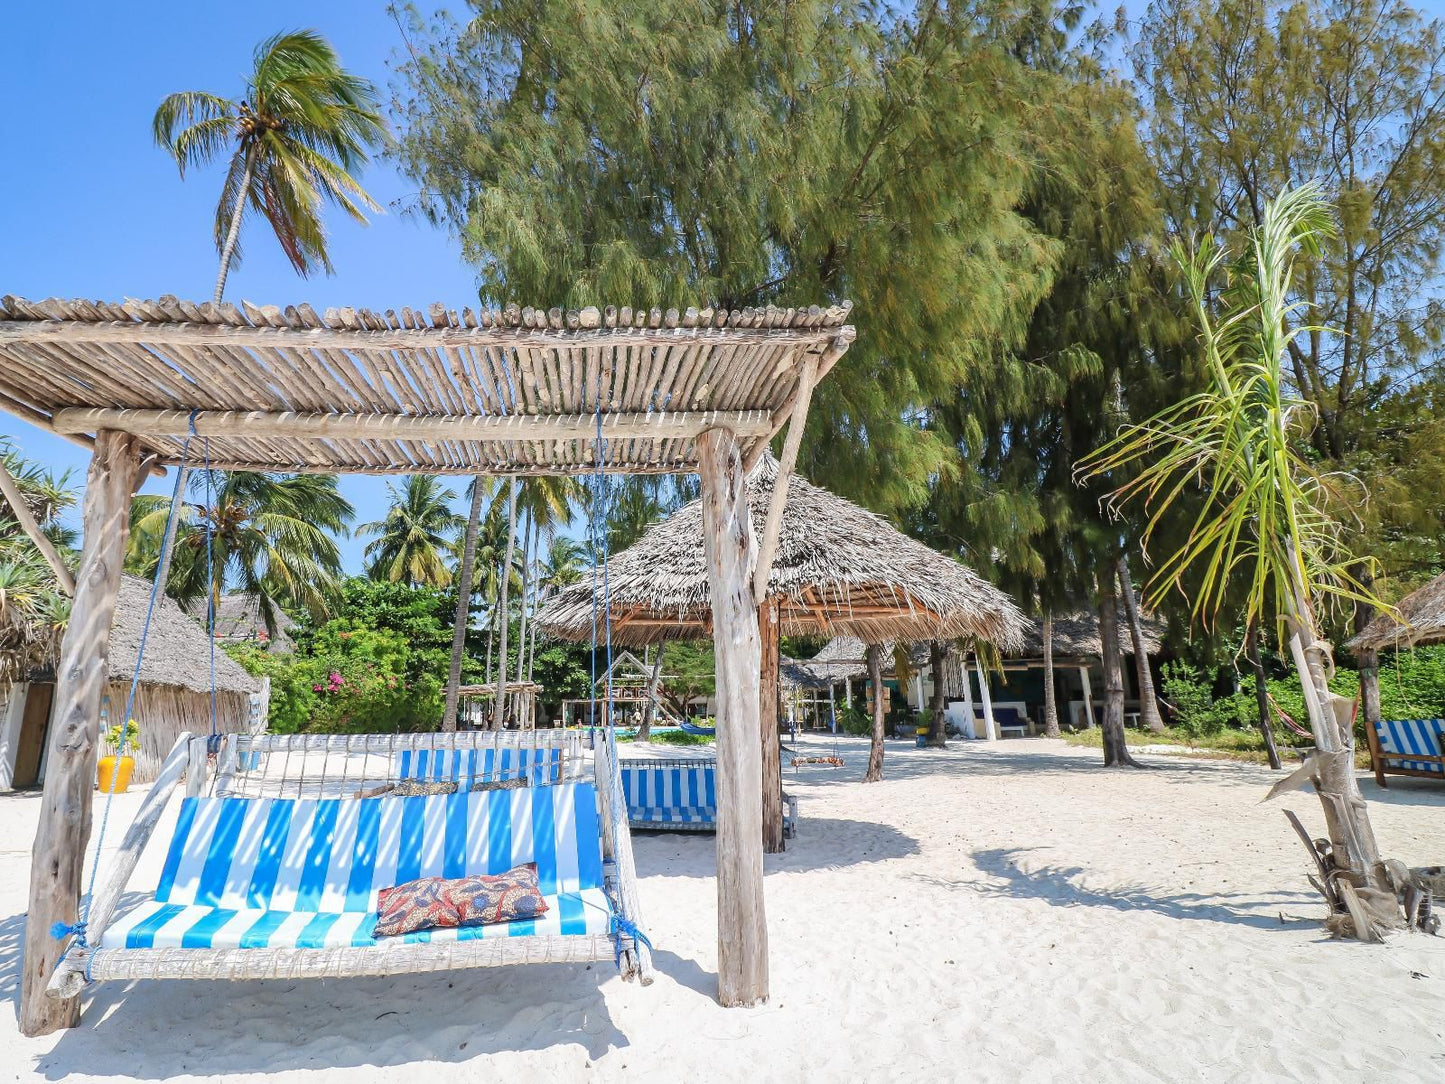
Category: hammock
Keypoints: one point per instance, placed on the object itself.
(275, 872)
(702, 731)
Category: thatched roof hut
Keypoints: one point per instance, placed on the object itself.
(1419, 618)
(1076, 636)
(177, 651)
(839, 570)
(239, 620)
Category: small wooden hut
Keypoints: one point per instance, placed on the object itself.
(173, 695)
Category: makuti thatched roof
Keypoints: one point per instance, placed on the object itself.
(1419, 618)
(1076, 635)
(839, 569)
(177, 650)
(239, 620)
(846, 657)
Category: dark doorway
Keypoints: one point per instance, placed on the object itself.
(33, 725)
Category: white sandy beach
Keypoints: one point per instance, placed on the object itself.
(992, 912)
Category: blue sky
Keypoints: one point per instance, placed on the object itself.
(93, 209)
(89, 207)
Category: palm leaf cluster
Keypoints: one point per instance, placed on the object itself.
(33, 609)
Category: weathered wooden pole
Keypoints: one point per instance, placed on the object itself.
(58, 857)
(768, 721)
(874, 772)
(731, 553)
(990, 725)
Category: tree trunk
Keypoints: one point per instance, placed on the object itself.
(464, 606)
(968, 697)
(1148, 705)
(529, 532)
(1116, 750)
(1051, 702)
(985, 697)
(228, 250)
(58, 858)
(501, 721)
(772, 782)
(1261, 692)
(1368, 661)
(163, 572)
(937, 733)
(731, 554)
(649, 709)
(875, 751)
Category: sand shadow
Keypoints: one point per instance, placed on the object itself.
(1404, 790)
(821, 843)
(1058, 886)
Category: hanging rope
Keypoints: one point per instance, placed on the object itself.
(61, 929)
(211, 592)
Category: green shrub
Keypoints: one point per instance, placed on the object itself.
(1196, 711)
(853, 721)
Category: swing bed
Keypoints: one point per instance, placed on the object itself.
(258, 883)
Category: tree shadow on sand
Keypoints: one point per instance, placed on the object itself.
(155, 1030)
(821, 843)
(1058, 886)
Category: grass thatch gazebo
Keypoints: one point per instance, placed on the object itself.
(838, 570)
(1418, 618)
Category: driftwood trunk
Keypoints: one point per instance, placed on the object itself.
(1051, 697)
(1116, 749)
(772, 793)
(731, 553)
(1261, 692)
(58, 856)
(464, 606)
(875, 750)
(937, 733)
(1148, 705)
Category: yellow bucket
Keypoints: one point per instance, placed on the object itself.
(117, 768)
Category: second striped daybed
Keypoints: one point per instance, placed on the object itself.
(680, 795)
(1407, 747)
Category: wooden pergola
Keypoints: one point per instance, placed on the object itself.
(522, 391)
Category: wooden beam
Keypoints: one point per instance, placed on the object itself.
(11, 491)
(836, 349)
(59, 852)
(730, 551)
(773, 525)
(231, 336)
(772, 754)
(246, 424)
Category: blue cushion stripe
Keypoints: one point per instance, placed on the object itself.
(408, 862)
(142, 935)
(499, 830)
(314, 935)
(358, 887)
(544, 843)
(586, 835)
(184, 821)
(223, 848)
(260, 933)
(273, 847)
(454, 861)
(318, 857)
(201, 933)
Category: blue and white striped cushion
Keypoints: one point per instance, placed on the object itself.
(244, 869)
(1403, 736)
(480, 765)
(664, 794)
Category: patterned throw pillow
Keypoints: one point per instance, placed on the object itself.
(501, 784)
(416, 788)
(479, 900)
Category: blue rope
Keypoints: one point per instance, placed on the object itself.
(625, 927)
(210, 574)
(62, 929)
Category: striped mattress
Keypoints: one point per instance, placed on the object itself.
(305, 873)
(469, 766)
(669, 794)
(1400, 737)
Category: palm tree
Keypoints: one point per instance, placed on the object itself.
(414, 535)
(33, 607)
(546, 504)
(272, 537)
(302, 126)
(481, 487)
(1266, 514)
(499, 720)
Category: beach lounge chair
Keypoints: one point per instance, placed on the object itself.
(258, 886)
(680, 795)
(486, 765)
(1009, 722)
(1407, 747)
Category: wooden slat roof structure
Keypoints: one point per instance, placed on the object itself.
(442, 392)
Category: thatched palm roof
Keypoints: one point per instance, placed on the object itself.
(839, 569)
(1419, 618)
(1077, 634)
(177, 650)
(239, 620)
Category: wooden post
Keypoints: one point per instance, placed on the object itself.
(768, 719)
(989, 724)
(874, 656)
(1088, 696)
(58, 857)
(731, 554)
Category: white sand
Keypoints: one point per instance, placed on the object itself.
(1003, 912)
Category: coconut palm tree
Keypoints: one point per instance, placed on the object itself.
(1266, 517)
(271, 537)
(480, 488)
(546, 506)
(413, 537)
(33, 608)
(301, 127)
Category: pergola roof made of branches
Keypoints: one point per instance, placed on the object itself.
(446, 392)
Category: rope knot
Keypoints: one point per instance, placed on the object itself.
(61, 930)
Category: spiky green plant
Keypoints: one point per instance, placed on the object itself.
(1266, 513)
